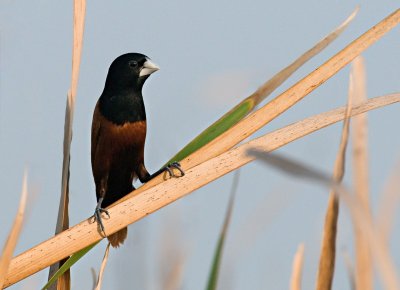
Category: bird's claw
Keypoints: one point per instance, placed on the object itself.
(176, 165)
(97, 217)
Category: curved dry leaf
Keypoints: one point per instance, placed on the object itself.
(13, 236)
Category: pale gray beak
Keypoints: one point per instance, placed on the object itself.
(148, 68)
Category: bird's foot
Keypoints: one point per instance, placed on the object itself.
(97, 217)
(169, 169)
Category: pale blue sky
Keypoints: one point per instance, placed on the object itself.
(211, 54)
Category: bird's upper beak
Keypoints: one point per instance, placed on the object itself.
(148, 68)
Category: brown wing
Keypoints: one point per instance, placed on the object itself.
(99, 165)
(96, 124)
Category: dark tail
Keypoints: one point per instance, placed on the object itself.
(118, 238)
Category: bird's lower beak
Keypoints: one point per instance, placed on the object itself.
(148, 68)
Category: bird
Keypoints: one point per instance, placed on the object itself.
(118, 136)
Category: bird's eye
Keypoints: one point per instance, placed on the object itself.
(133, 63)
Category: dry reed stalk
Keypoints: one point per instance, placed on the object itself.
(102, 268)
(63, 283)
(328, 250)
(363, 268)
(136, 207)
(13, 236)
(295, 281)
(287, 99)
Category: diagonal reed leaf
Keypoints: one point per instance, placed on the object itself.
(242, 109)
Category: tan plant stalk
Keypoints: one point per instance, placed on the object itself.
(102, 268)
(295, 281)
(13, 236)
(363, 268)
(63, 283)
(152, 199)
(328, 250)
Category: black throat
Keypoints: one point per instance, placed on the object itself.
(122, 107)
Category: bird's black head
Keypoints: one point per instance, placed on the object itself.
(130, 71)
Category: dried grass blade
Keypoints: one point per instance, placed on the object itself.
(242, 109)
(102, 268)
(13, 236)
(64, 281)
(297, 272)
(363, 269)
(328, 250)
(156, 197)
(267, 88)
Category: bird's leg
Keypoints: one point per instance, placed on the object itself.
(144, 175)
(169, 169)
(97, 215)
